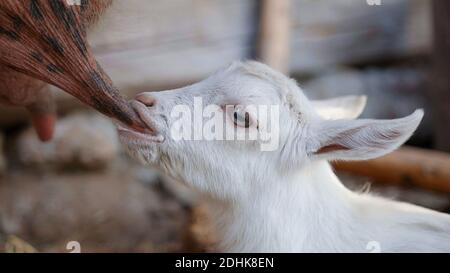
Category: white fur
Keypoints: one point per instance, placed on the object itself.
(288, 200)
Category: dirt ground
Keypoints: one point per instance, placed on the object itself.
(116, 210)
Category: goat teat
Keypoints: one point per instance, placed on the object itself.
(47, 41)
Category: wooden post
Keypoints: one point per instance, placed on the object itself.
(274, 29)
(407, 166)
(440, 78)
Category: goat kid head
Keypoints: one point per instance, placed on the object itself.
(306, 131)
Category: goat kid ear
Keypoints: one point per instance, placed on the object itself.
(345, 107)
(360, 139)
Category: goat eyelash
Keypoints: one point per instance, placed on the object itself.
(245, 119)
(242, 118)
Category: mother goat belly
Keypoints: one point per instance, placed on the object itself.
(30, 44)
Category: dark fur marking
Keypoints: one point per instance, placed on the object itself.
(37, 56)
(17, 23)
(63, 13)
(9, 33)
(111, 109)
(55, 44)
(84, 5)
(79, 42)
(67, 16)
(100, 82)
(35, 10)
(53, 68)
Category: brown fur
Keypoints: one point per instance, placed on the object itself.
(46, 39)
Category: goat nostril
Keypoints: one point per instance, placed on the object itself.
(146, 99)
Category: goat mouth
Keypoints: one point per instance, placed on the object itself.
(142, 112)
(149, 134)
(130, 134)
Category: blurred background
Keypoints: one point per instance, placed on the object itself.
(81, 187)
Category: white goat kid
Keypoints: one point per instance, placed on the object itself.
(289, 199)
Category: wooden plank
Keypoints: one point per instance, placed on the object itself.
(440, 81)
(326, 33)
(148, 43)
(157, 42)
(406, 166)
(274, 34)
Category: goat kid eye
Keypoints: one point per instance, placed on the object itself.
(241, 119)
